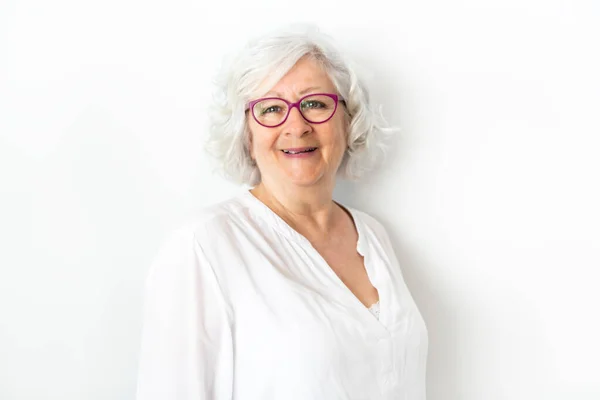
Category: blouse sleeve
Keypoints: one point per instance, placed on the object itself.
(186, 348)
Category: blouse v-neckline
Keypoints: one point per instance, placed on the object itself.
(361, 247)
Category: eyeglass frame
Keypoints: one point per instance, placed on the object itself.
(336, 98)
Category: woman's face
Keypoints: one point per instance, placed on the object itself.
(318, 167)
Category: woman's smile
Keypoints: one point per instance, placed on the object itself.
(299, 152)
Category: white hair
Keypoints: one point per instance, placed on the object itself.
(261, 64)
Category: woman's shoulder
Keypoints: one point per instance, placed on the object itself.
(368, 220)
(372, 230)
(208, 221)
(198, 233)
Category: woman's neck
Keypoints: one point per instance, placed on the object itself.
(310, 211)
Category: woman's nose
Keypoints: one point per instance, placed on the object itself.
(296, 124)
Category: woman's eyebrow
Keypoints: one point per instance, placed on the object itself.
(308, 89)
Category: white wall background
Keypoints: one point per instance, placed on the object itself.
(491, 193)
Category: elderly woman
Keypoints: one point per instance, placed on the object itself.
(281, 292)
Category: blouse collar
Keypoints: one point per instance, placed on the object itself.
(265, 213)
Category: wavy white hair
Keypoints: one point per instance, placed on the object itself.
(257, 68)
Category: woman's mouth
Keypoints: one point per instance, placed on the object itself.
(299, 150)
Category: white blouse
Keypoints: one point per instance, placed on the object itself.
(238, 305)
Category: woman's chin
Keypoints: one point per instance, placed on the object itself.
(304, 179)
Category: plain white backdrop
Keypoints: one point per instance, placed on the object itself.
(491, 191)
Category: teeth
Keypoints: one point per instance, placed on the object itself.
(298, 152)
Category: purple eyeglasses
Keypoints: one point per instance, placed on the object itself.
(315, 108)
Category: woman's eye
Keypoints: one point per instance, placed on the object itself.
(271, 109)
(312, 104)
